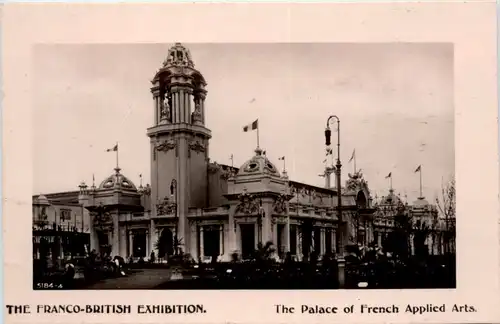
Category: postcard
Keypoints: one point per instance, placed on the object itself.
(250, 163)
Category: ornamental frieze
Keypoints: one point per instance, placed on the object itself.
(197, 147)
(213, 167)
(165, 207)
(279, 206)
(247, 205)
(102, 219)
(165, 146)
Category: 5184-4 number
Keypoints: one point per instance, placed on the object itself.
(48, 285)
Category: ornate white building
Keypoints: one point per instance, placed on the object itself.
(207, 208)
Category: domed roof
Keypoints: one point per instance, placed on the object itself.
(117, 181)
(42, 200)
(258, 164)
(420, 202)
(391, 199)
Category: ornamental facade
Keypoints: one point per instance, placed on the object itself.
(205, 209)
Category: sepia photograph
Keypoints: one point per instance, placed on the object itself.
(244, 166)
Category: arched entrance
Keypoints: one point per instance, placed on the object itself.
(165, 244)
(103, 241)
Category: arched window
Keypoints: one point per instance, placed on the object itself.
(361, 200)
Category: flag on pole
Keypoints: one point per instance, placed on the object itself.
(418, 169)
(389, 175)
(353, 155)
(253, 126)
(114, 149)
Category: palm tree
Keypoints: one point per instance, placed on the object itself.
(264, 252)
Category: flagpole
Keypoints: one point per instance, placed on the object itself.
(258, 146)
(354, 161)
(117, 166)
(390, 181)
(420, 171)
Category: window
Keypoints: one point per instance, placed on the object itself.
(65, 215)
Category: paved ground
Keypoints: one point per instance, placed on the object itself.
(142, 279)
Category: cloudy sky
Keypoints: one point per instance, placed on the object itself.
(395, 102)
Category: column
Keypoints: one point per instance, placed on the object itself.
(182, 108)
(123, 243)
(287, 234)
(93, 244)
(237, 243)
(379, 239)
(178, 106)
(148, 250)
(323, 241)
(221, 240)
(231, 231)
(115, 247)
(130, 243)
(202, 106)
(202, 246)
(333, 247)
(154, 236)
(299, 243)
(173, 106)
(274, 228)
(189, 109)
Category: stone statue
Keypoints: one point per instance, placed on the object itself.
(197, 112)
(165, 109)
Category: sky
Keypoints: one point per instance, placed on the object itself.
(394, 101)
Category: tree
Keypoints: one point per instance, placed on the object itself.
(447, 207)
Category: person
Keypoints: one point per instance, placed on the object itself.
(152, 257)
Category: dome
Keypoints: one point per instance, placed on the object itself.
(258, 164)
(420, 202)
(391, 199)
(117, 181)
(42, 200)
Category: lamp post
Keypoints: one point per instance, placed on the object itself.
(173, 192)
(338, 166)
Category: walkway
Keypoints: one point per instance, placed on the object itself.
(142, 279)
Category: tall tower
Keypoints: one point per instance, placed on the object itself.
(179, 138)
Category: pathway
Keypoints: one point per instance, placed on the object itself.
(143, 279)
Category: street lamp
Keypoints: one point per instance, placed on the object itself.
(173, 192)
(338, 166)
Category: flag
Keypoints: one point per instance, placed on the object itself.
(353, 155)
(114, 149)
(281, 158)
(418, 169)
(389, 175)
(251, 126)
